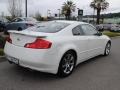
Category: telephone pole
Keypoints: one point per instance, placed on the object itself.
(26, 8)
(59, 13)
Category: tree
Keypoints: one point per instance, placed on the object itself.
(99, 5)
(38, 16)
(19, 8)
(67, 8)
(15, 8)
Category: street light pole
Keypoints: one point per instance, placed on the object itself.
(26, 8)
(59, 13)
(94, 15)
(78, 14)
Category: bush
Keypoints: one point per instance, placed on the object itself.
(2, 42)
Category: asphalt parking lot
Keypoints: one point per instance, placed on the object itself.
(100, 73)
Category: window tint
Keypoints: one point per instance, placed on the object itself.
(51, 27)
(88, 30)
(77, 31)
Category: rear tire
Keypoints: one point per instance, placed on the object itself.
(19, 29)
(107, 49)
(67, 64)
(1, 29)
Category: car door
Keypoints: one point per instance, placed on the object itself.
(81, 43)
(94, 44)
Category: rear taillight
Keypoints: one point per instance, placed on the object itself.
(8, 39)
(39, 44)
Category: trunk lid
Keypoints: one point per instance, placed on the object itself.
(21, 38)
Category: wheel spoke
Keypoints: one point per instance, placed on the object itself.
(66, 70)
(64, 66)
(72, 63)
(69, 56)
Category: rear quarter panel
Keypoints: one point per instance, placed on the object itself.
(62, 44)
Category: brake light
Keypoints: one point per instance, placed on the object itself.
(8, 39)
(39, 44)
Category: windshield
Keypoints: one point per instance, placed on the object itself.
(51, 27)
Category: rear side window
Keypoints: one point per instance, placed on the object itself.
(51, 27)
(77, 31)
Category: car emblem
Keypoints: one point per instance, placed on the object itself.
(18, 39)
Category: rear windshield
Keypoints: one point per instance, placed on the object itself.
(51, 27)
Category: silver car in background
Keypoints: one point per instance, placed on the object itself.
(20, 23)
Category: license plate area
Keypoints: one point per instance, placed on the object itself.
(13, 60)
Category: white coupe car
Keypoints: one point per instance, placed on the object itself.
(56, 47)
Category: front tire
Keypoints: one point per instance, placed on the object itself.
(107, 49)
(67, 64)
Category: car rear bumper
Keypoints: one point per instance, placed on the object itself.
(36, 59)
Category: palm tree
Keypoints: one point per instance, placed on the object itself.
(99, 5)
(67, 8)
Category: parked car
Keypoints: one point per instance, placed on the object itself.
(106, 26)
(20, 23)
(3, 23)
(56, 47)
(115, 28)
(19, 26)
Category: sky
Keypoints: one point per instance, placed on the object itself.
(53, 5)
